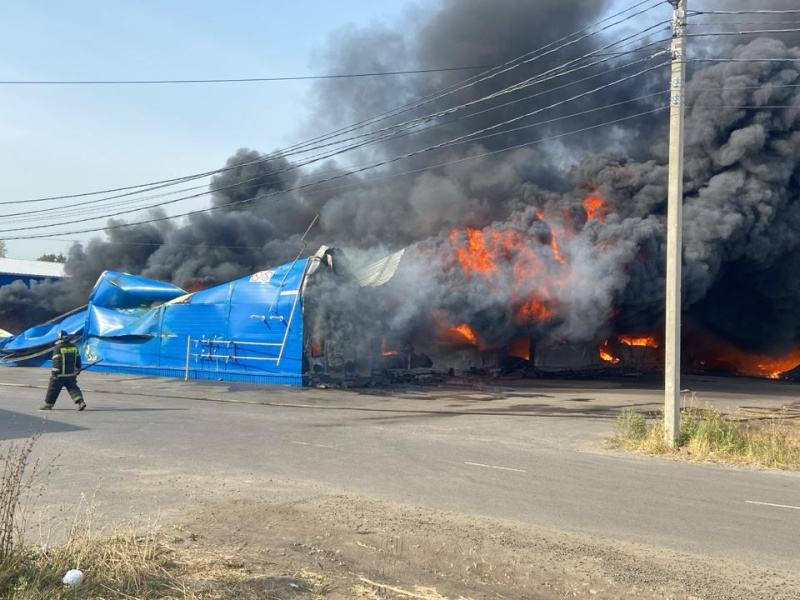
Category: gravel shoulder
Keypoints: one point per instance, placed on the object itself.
(374, 549)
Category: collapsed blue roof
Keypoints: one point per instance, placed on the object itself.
(45, 335)
(250, 329)
(123, 291)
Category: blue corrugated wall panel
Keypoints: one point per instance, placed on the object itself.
(234, 331)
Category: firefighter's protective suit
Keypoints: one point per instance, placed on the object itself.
(64, 374)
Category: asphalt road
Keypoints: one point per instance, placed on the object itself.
(535, 455)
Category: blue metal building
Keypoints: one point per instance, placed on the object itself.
(250, 329)
(28, 271)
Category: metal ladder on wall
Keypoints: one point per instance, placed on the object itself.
(214, 345)
(232, 344)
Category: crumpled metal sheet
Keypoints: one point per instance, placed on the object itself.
(45, 335)
(381, 272)
(132, 326)
(118, 290)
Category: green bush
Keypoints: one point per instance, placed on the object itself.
(707, 434)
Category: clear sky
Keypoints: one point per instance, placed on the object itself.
(63, 139)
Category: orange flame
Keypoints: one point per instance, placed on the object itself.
(595, 208)
(514, 259)
(713, 353)
(476, 257)
(386, 352)
(466, 332)
(605, 353)
(554, 248)
(760, 365)
(644, 341)
(520, 348)
(772, 369)
(535, 310)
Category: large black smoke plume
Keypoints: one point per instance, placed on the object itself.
(742, 212)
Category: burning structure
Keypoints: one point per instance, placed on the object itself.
(526, 242)
(316, 319)
(295, 323)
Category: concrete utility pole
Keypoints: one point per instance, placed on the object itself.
(672, 351)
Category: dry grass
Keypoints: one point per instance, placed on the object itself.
(130, 565)
(16, 486)
(708, 435)
(210, 579)
(119, 564)
(371, 590)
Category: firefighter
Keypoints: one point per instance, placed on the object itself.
(64, 374)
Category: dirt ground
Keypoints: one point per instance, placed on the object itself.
(341, 547)
(307, 494)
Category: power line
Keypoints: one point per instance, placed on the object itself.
(577, 114)
(506, 67)
(745, 87)
(770, 106)
(548, 75)
(747, 32)
(557, 104)
(81, 206)
(509, 65)
(745, 12)
(355, 184)
(159, 244)
(71, 213)
(739, 23)
(391, 132)
(395, 131)
(731, 60)
(140, 188)
(449, 145)
(240, 80)
(388, 160)
(743, 60)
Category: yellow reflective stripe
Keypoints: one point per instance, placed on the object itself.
(64, 351)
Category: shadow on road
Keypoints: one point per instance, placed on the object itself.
(14, 425)
(581, 411)
(90, 409)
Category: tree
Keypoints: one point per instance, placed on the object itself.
(56, 258)
(2, 249)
